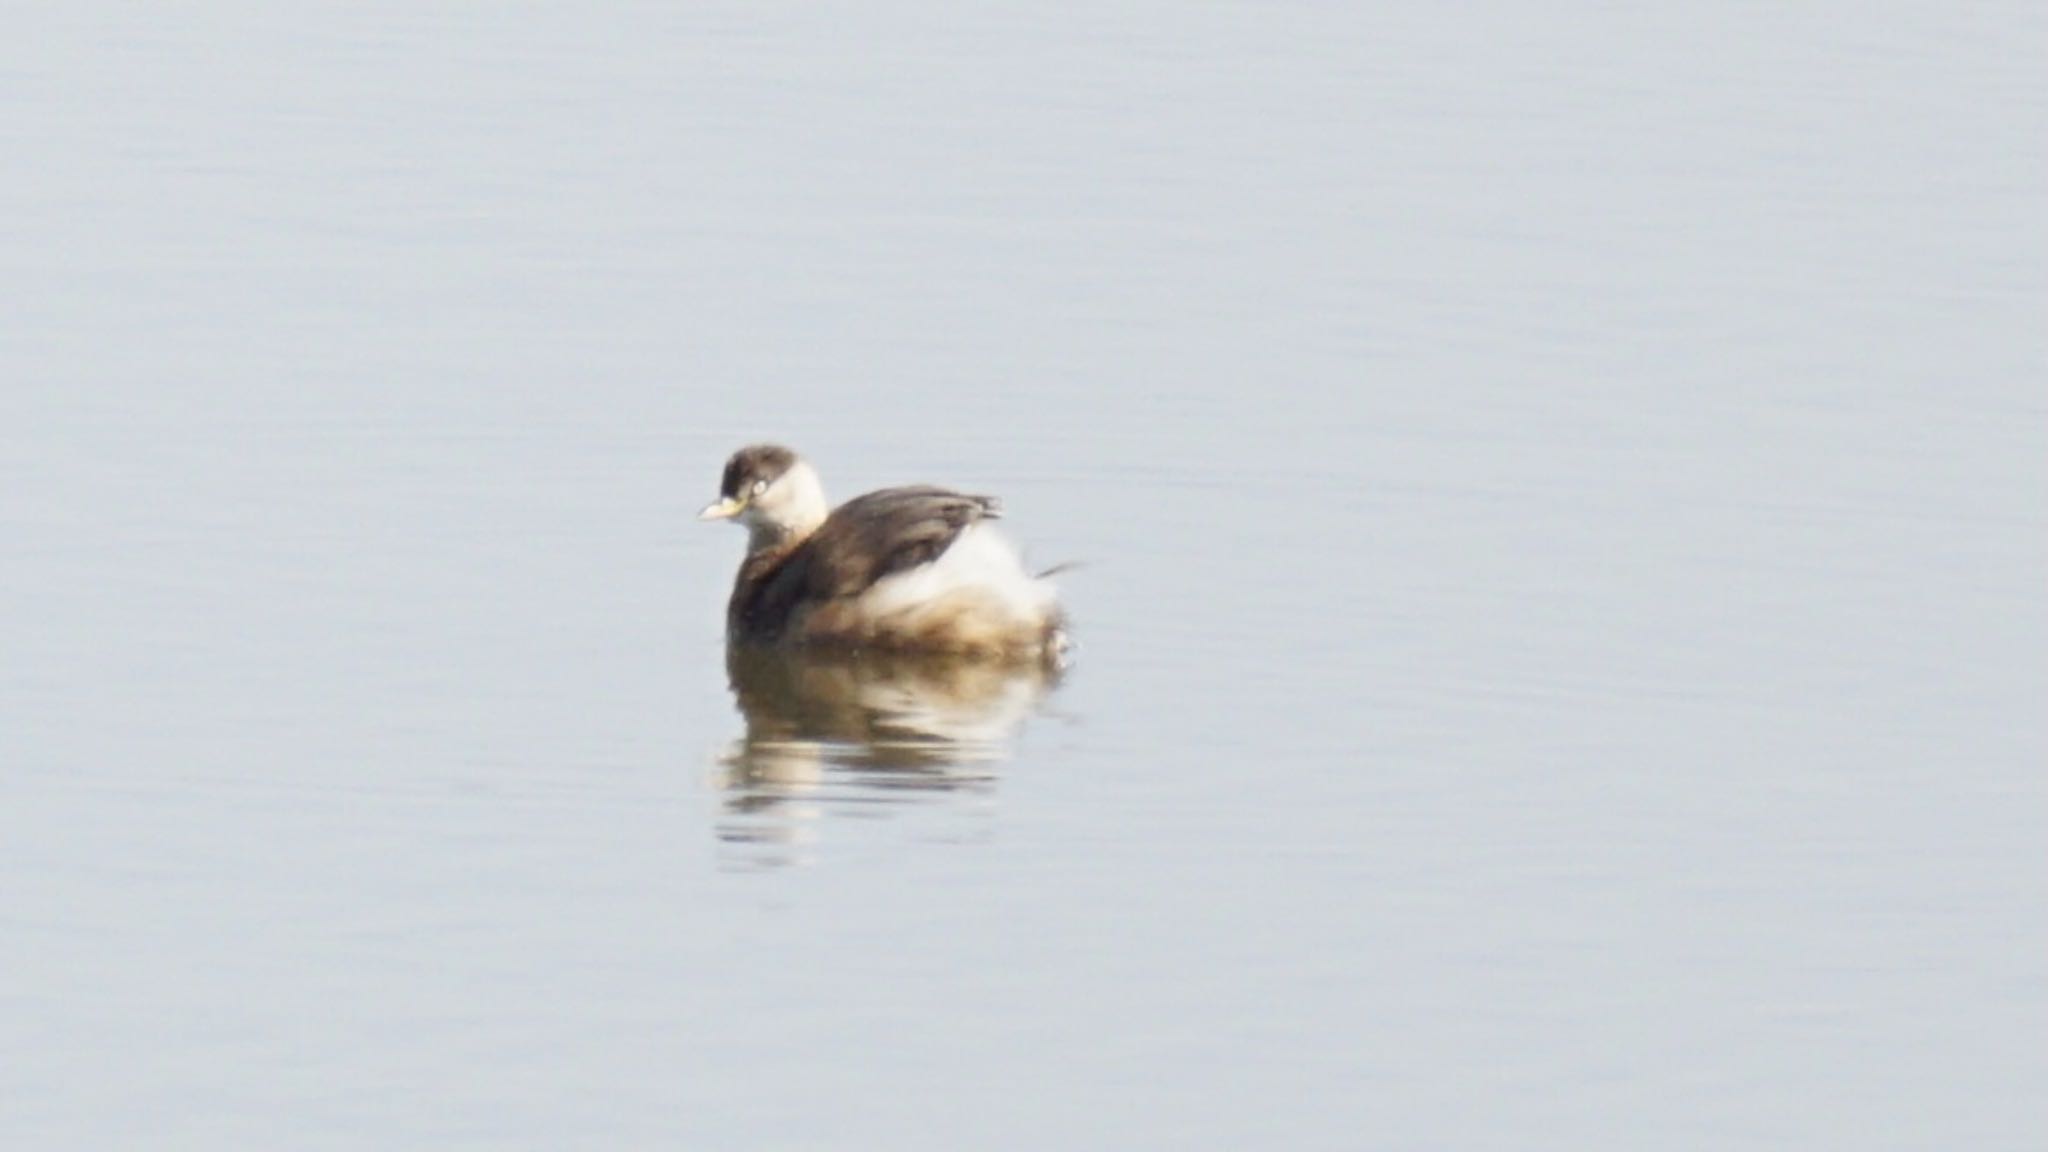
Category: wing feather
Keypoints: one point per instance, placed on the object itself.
(864, 540)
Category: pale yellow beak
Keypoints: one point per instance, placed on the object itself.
(722, 509)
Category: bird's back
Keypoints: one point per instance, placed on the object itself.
(901, 568)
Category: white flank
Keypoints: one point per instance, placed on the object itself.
(979, 559)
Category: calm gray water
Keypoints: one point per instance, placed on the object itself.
(1564, 616)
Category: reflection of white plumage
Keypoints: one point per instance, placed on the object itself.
(885, 711)
(828, 729)
(901, 569)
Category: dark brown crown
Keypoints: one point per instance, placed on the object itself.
(754, 462)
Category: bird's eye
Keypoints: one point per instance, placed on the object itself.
(760, 486)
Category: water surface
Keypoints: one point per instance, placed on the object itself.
(1562, 626)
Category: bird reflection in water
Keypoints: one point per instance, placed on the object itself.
(845, 734)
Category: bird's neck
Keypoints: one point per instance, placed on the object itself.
(768, 539)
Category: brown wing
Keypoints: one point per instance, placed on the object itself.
(864, 540)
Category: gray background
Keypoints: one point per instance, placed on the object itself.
(1562, 492)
